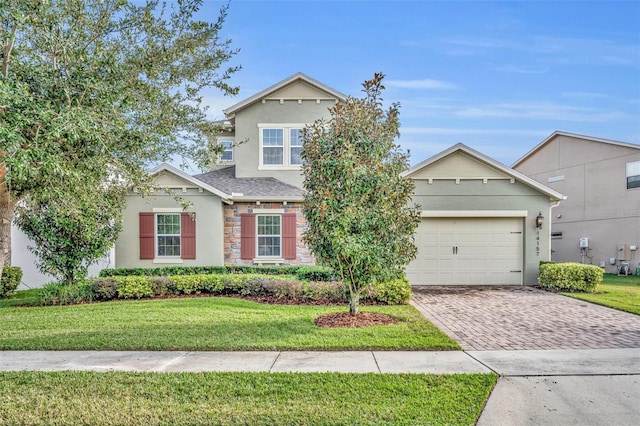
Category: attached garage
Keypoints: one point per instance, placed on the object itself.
(468, 251)
(478, 221)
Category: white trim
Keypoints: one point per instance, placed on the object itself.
(168, 260)
(268, 211)
(267, 260)
(286, 146)
(157, 235)
(219, 141)
(474, 213)
(167, 210)
(276, 167)
(282, 125)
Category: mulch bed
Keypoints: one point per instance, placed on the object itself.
(361, 319)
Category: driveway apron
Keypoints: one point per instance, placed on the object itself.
(483, 318)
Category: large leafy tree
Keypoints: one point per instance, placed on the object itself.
(69, 235)
(357, 206)
(93, 91)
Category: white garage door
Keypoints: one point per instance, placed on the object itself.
(468, 251)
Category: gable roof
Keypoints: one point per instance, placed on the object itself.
(164, 167)
(230, 112)
(571, 135)
(555, 195)
(250, 189)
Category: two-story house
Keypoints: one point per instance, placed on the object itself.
(248, 209)
(599, 223)
(482, 222)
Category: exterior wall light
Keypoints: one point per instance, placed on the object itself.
(539, 220)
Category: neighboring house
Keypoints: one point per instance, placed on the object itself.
(599, 223)
(480, 221)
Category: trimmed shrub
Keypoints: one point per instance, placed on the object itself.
(11, 277)
(314, 273)
(570, 277)
(68, 294)
(187, 284)
(281, 286)
(106, 288)
(163, 286)
(134, 287)
(393, 292)
(333, 291)
(304, 273)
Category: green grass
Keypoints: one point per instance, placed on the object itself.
(208, 323)
(622, 293)
(117, 398)
(22, 298)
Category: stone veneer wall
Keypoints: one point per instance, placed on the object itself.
(232, 232)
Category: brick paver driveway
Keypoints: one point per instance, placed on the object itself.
(497, 318)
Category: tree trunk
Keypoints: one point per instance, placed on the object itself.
(353, 303)
(6, 217)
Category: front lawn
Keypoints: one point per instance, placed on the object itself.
(618, 292)
(62, 398)
(208, 323)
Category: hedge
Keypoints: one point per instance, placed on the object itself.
(285, 287)
(572, 277)
(304, 273)
(11, 277)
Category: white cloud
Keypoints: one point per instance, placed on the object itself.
(426, 83)
(545, 110)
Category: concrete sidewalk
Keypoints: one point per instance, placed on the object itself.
(504, 363)
(536, 387)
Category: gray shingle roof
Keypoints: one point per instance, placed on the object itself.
(266, 188)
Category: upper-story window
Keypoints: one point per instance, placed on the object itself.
(227, 154)
(633, 175)
(295, 146)
(281, 146)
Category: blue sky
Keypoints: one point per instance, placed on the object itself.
(497, 76)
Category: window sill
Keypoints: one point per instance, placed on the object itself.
(168, 260)
(287, 168)
(269, 261)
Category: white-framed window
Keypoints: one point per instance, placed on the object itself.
(269, 235)
(167, 234)
(295, 146)
(633, 175)
(281, 146)
(272, 142)
(227, 155)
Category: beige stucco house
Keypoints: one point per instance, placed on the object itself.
(478, 222)
(599, 223)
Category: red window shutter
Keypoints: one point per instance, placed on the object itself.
(147, 236)
(247, 236)
(188, 235)
(289, 235)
